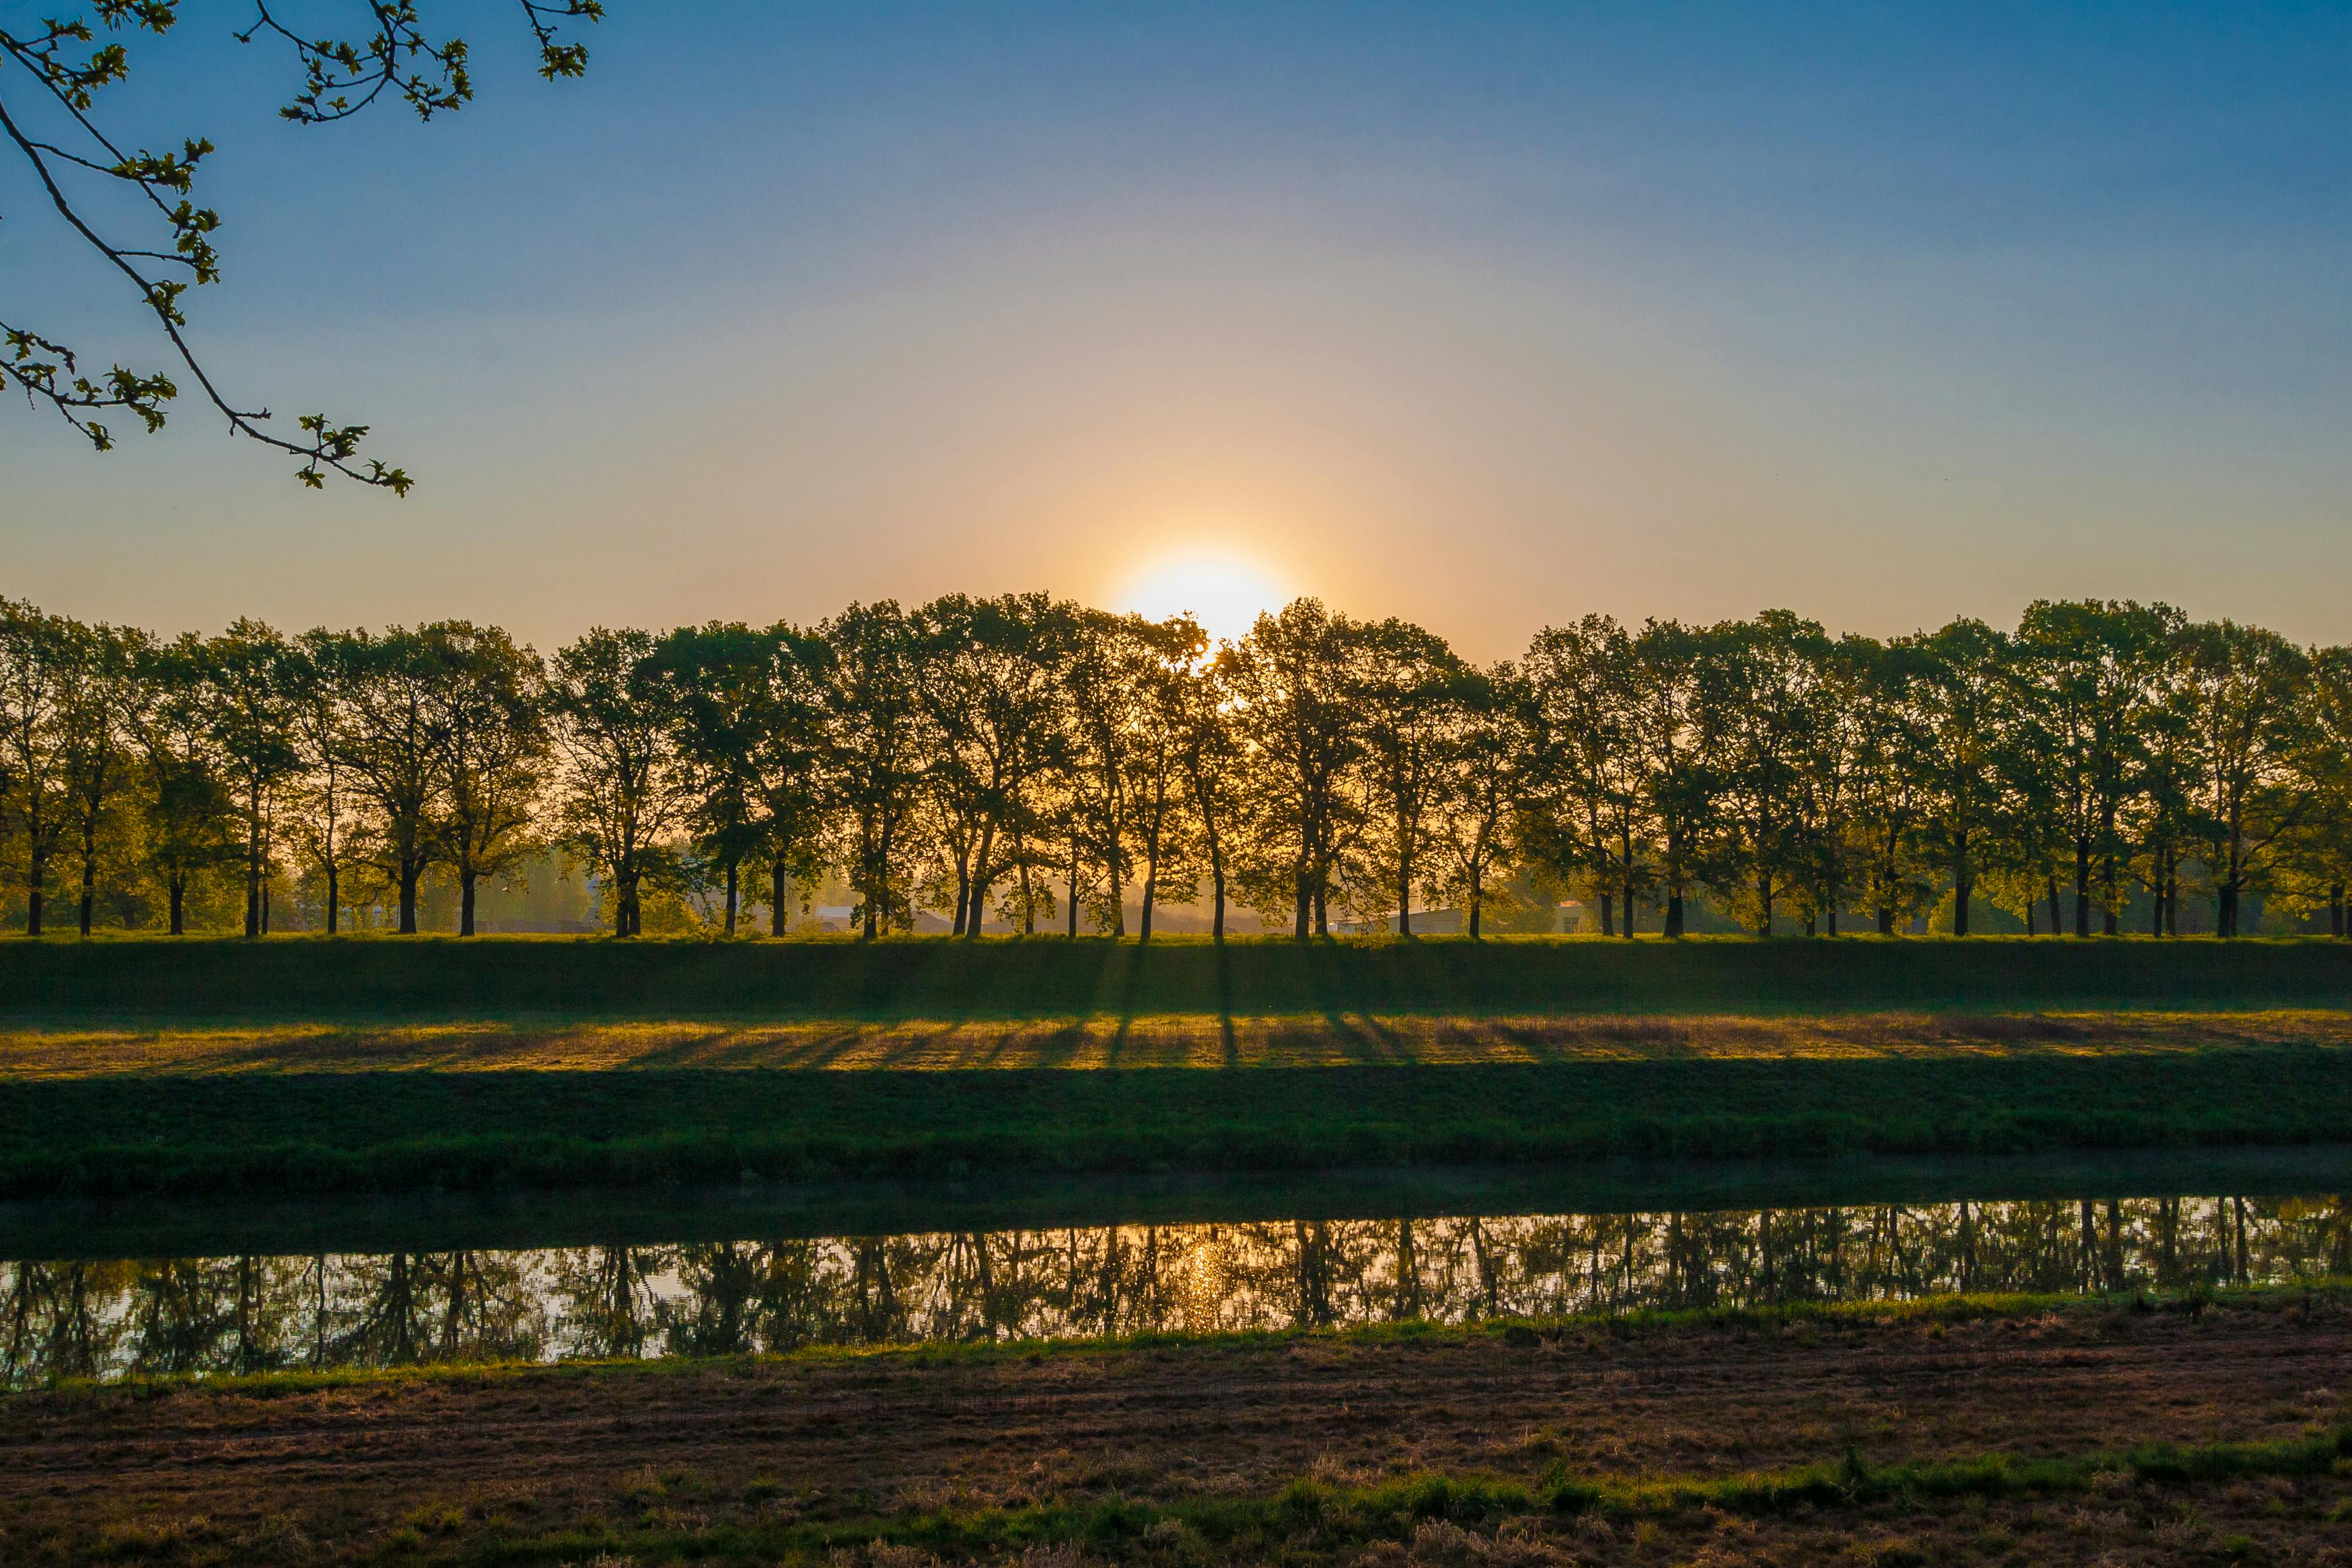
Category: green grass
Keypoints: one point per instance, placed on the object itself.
(385, 977)
(343, 1132)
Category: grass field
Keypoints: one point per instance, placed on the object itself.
(309, 1066)
(2144, 1430)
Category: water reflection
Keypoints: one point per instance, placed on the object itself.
(138, 1317)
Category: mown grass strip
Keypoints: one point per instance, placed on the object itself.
(388, 978)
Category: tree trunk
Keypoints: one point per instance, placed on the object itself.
(2336, 910)
(2225, 918)
(1764, 904)
(733, 867)
(2081, 887)
(1477, 900)
(776, 898)
(1885, 920)
(1073, 890)
(1322, 911)
(1306, 913)
(2056, 926)
(2108, 915)
(89, 876)
(408, 900)
(1608, 915)
(1960, 890)
(1217, 899)
(334, 898)
(1405, 894)
(1832, 913)
(963, 896)
(179, 900)
(466, 901)
(1629, 909)
(1675, 912)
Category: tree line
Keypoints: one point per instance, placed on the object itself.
(1030, 764)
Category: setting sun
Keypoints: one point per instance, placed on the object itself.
(1224, 592)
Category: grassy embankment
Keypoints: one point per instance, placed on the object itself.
(2145, 1429)
(302, 1066)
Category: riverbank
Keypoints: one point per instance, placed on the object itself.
(284, 1132)
(2169, 1429)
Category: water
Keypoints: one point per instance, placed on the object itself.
(227, 1312)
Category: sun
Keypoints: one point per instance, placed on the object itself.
(1224, 590)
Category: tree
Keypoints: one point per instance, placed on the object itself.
(188, 812)
(249, 708)
(878, 745)
(615, 706)
(2319, 848)
(2089, 663)
(322, 671)
(83, 169)
(36, 653)
(790, 758)
(1668, 738)
(992, 678)
(1892, 755)
(1295, 681)
(1410, 686)
(1964, 693)
(1480, 763)
(1214, 771)
(1161, 765)
(722, 674)
(393, 755)
(1759, 708)
(488, 731)
(1582, 816)
(99, 715)
(2250, 727)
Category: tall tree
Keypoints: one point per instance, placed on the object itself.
(1216, 772)
(2251, 725)
(615, 704)
(1409, 689)
(1963, 692)
(188, 811)
(1668, 730)
(1760, 708)
(248, 696)
(99, 714)
(789, 763)
(723, 675)
(321, 673)
(393, 752)
(36, 657)
(878, 753)
(2089, 664)
(993, 678)
(1296, 681)
(1481, 763)
(1583, 817)
(2321, 844)
(489, 729)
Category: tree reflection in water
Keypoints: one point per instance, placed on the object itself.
(141, 1317)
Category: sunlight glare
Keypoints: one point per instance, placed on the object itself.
(1225, 592)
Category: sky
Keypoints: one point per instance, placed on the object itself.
(1484, 316)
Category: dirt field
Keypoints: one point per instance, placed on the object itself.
(791, 1457)
(1108, 1040)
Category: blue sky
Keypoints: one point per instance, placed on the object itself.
(1486, 316)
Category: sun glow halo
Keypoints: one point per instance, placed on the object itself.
(1225, 593)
